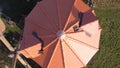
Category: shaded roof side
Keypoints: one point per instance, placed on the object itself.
(44, 58)
(2, 27)
(30, 40)
(88, 17)
(39, 20)
(57, 11)
(89, 21)
(78, 7)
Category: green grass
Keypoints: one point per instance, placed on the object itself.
(109, 53)
(12, 29)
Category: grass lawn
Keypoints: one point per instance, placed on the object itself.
(108, 12)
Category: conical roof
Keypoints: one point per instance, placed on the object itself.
(66, 38)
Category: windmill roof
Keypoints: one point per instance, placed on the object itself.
(50, 27)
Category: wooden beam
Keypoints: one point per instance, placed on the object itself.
(8, 45)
